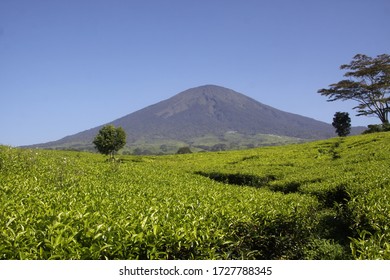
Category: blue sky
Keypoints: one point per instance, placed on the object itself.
(70, 65)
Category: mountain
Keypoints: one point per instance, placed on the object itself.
(204, 112)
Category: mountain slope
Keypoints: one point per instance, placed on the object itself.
(205, 110)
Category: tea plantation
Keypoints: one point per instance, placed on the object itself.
(321, 200)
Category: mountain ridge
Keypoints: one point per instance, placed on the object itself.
(200, 111)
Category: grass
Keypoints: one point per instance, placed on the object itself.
(320, 200)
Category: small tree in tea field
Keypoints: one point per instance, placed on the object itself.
(110, 140)
(342, 123)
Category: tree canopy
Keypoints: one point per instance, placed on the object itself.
(368, 84)
(342, 123)
(110, 140)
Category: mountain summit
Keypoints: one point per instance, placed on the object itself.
(201, 111)
(216, 110)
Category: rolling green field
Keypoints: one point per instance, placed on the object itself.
(321, 200)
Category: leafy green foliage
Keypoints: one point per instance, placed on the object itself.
(342, 123)
(373, 128)
(110, 140)
(321, 200)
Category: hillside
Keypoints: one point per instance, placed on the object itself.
(211, 112)
(325, 199)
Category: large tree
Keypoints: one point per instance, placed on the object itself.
(368, 83)
(110, 140)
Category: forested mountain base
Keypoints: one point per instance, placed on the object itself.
(321, 200)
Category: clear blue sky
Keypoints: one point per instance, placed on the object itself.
(70, 65)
